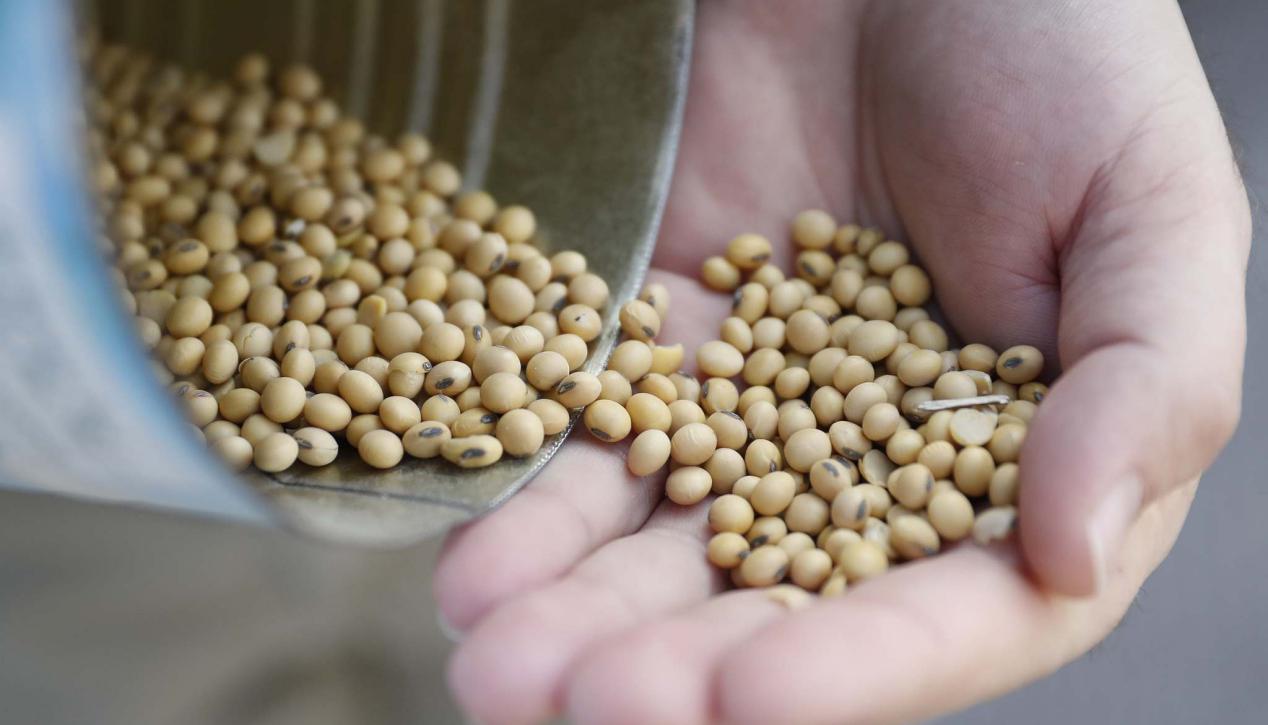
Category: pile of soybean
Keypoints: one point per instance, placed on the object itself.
(857, 437)
(306, 286)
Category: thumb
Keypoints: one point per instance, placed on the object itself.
(1151, 337)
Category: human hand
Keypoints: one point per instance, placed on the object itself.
(1063, 174)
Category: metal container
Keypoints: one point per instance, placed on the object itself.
(572, 109)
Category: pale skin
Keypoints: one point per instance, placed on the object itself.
(1062, 171)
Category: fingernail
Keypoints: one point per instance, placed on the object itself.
(451, 633)
(1107, 527)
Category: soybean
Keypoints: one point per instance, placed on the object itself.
(475, 451)
(607, 421)
(688, 485)
(275, 452)
(425, 439)
(649, 452)
(521, 432)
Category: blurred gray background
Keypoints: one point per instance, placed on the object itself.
(242, 624)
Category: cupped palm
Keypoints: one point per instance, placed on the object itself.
(1062, 172)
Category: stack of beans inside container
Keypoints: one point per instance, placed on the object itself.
(856, 437)
(307, 286)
